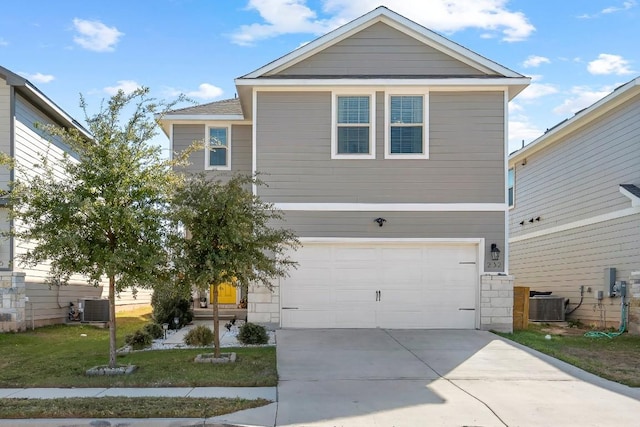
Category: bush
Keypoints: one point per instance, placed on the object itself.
(167, 306)
(139, 340)
(250, 333)
(154, 329)
(200, 336)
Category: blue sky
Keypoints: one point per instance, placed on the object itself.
(576, 51)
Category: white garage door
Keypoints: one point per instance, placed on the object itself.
(389, 285)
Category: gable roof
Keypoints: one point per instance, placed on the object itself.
(211, 110)
(34, 95)
(619, 95)
(397, 21)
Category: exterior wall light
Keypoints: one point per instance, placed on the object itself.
(495, 252)
(380, 221)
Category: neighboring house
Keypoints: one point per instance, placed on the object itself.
(385, 145)
(576, 207)
(25, 299)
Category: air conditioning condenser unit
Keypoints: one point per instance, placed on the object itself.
(544, 308)
(94, 310)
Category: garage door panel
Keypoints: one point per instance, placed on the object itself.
(422, 285)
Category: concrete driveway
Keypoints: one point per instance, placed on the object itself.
(378, 377)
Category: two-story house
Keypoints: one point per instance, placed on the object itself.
(385, 145)
(575, 211)
(26, 300)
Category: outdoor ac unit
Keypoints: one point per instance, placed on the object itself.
(94, 310)
(546, 309)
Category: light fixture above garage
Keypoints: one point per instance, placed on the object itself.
(380, 221)
(495, 252)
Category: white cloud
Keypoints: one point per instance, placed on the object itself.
(609, 64)
(205, 91)
(94, 35)
(535, 61)
(537, 90)
(127, 86)
(625, 6)
(294, 16)
(521, 129)
(39, 77)
(580, 98)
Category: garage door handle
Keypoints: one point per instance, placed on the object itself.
(378, 295)
(289, 308)
(467, 309)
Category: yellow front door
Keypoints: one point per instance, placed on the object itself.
(226, 294)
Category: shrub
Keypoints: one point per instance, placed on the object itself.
(167, 306)
(200, 336)
(250, 333)
(154, 329)
(139, 340)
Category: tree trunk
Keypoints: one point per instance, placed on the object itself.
(216, 322)
(112, 321)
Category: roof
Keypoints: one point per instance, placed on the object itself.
(33, 94)
(383, 14)
(631, 191)
(222, 107)
(553, 135)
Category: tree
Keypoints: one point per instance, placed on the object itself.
(231, 237)
(101, 212)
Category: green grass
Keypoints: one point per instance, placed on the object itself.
(121, 407)
(614, 359)
(58, 356)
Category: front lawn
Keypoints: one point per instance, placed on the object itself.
(615, 359)
(58, 356)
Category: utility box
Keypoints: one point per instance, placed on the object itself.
(610, 281)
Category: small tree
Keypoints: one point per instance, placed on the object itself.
(231, 237)
(102, 214)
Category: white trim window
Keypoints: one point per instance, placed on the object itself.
(406, 133)
(511, 181)
(353, 126)
(217, 154)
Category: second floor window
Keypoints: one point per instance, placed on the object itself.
(407, 125)
(217, 150)
(353, 127)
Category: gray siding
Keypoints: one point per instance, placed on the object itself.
(579, 176)
(561, 262)
(184, 135)
(432, 225)
(466, 146)
(5, 130)
(380, 50)
(50, 305)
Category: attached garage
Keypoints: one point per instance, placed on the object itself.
(396, 284)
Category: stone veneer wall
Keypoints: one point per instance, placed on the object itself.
(12, 301)
(496, 302)
(263, 306)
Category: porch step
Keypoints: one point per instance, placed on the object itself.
(223, 314)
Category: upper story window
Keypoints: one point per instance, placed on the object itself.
(353, 136)
(406, 136)
(218, 148)
(510, 187)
